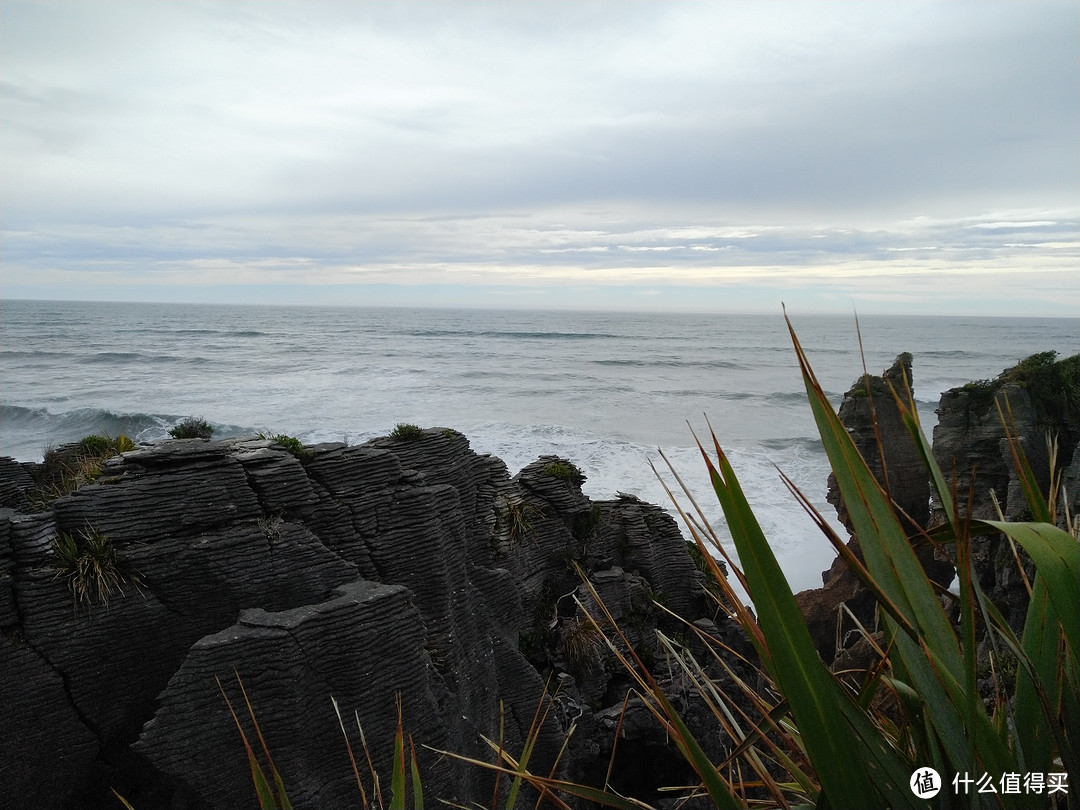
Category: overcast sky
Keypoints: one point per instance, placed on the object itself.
(894, 156)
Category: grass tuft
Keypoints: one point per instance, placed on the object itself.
(582, 645)
(405, 432)
(290, 443)
(69, 467)
(514, 521)
(88, 562)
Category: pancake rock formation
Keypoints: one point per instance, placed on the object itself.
(415, 568)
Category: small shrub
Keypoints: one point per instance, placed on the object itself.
(270, 526)
(290, 443)
(562, 470)
(88, 562)
(405, 432)
(192, 427)
(94, 445)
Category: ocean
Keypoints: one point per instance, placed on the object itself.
(604, 389)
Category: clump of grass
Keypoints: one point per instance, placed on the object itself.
(192, 427)
(95, 445)
(563, 470)
(514, 520)
(88, 562)
(290, 443)
(404, 432)
(270, 526)
(582, 645)
(65, 469)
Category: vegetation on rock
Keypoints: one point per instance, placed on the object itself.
(192, 427)
(1052, 384)
(562, 470)
(67, 468)
(405, 432)
(514, 520)
(290, 443)
(88, 562)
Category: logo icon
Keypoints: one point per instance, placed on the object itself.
(925, 783)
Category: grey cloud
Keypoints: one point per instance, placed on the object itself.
(355, 134)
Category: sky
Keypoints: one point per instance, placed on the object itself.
(911, 157)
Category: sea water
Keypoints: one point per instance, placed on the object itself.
(603, 389)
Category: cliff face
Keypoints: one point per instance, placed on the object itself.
(1041, 398)
(873, 421)
(1042, 395)
(898, 470)
(416, 568)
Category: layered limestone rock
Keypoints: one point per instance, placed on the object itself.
(872, 418)
(1040, 399)
(416, 568)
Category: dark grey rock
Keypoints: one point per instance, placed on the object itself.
(358, 572)
(15, 481)
(49, 751)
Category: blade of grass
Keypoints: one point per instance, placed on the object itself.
(397, 776)
(279, 785)
(414, 775)
(352, 759)
(815, 698)
(123, 801)
(376, 790)
(601, 797)
(258, 778)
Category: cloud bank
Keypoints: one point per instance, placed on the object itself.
(680, 155)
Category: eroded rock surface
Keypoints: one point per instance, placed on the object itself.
(1040, 396)
(873, 420)
(412, 568)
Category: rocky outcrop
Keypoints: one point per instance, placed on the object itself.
(416, 568)
(1041, 397)
(872, 418)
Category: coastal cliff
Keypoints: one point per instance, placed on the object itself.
(1039, 397)
(415, 568)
